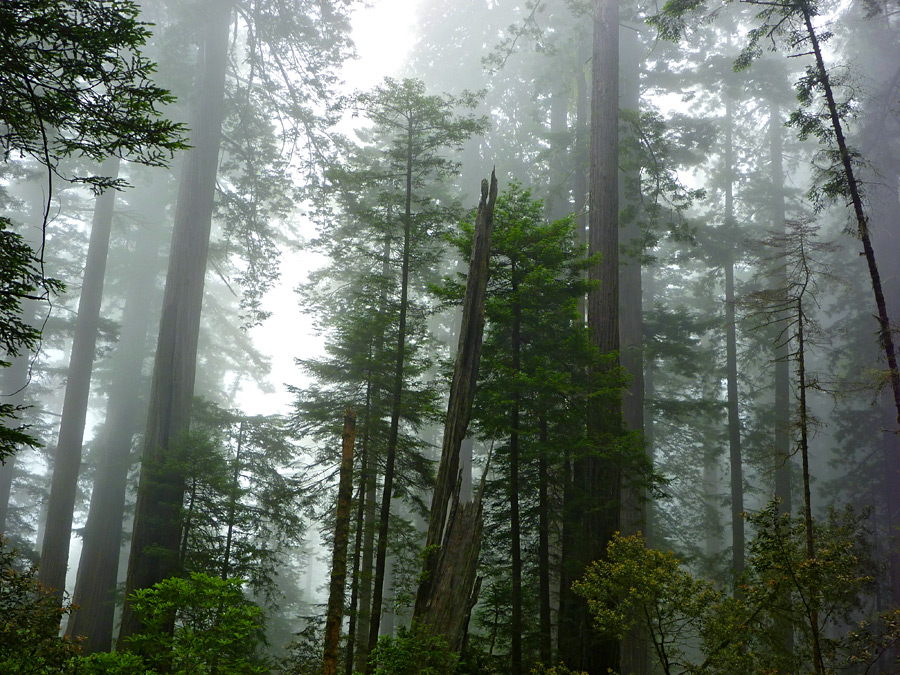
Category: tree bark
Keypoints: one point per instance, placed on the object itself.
(67, 456)
(597, 479)
(157, 520)
(95, 585)
(339, 554)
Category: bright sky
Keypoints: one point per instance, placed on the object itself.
(383, 36)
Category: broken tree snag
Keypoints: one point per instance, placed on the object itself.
(339, 554)
(459, 408)
(456, 585)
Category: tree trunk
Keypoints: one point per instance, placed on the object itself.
(15, 379)
(67, 456)
(885, 332)
(157, 519)
(782, 449)
(546, 621)
(515, 535)
(596, 488)
(582, 153)
(813, 615)
(349, 658)
(234, 488)
(448, 577)
(95, 585)
(365, 591)
(370, 485)
(397, 396)
(635, 648)
(339, 555)
(734, 420)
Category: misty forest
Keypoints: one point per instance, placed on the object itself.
(526, 337)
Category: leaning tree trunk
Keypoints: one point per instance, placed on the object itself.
(885, 332)
(67, 456)
(157, 519)
(98, 568)
(448, 581)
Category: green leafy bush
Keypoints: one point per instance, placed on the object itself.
(413, 652)
(29, 621)
(216, 629)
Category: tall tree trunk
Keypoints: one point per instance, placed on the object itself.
(546, 621)
(361, 656)
(597, 480)
(635, 648)
(734, 420)
(582, 152)
(630, 308)
(396, 402)
(813, 615)
(95, 585)
(557, 205)
(515, 535)
(234, 489)
(369, 496)
(349, 657)
(339, 554)
(649, 293)
(67, 456)
(782, 449)
(157, 520)
(15, 378)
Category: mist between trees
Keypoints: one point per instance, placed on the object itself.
(629, 405)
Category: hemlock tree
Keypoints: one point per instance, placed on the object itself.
(354, 301)
(414, 131)
(242, 512)
(530, 396)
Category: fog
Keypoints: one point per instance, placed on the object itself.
(474, 337)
